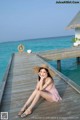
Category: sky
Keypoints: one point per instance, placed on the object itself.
(30, 19)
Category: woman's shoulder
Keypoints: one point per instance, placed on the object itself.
(49, 79)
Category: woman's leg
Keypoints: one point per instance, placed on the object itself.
(46, 95)
(29, 100)
(43, 94)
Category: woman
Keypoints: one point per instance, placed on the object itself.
(45, 88)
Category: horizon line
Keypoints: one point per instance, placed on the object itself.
(36, 38)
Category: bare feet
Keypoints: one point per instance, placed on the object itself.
(26, 113)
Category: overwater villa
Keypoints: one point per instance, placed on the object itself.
(75, 24)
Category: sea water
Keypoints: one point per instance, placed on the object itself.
(69, 66)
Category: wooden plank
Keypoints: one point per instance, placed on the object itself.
(22, 81)
(61, 54)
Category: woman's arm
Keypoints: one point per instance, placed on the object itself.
(38, 85)
(49, 81)
(41, 84)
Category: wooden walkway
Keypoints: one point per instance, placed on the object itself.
(21, 82)
(72, 52)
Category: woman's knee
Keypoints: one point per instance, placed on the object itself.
(50, 100)
(36, 90)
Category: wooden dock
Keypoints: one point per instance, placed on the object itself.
(20, 83)
(72, 52)
(58, 55)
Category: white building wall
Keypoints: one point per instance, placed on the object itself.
(77, 33)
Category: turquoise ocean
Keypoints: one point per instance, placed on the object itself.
(69, 66)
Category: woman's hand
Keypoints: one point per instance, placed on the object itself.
(42, 77)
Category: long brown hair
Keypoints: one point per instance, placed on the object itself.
(46, 71)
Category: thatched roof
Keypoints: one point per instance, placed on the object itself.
(75, 23)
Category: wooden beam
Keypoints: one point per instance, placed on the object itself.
(78, 60)
(59, 65)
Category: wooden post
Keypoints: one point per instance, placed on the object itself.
(78, 60)
(59, 65)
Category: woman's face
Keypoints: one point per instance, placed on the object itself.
(43, 73)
